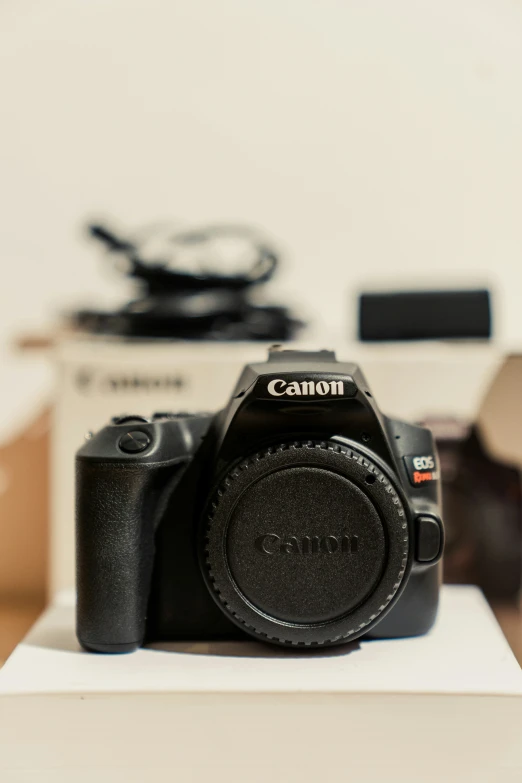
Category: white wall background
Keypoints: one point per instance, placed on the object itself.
(380, 142)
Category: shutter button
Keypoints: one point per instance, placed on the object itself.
(129, 419)
(135, 441)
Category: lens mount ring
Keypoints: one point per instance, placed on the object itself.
(331, 572)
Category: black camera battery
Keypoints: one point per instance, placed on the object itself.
(424, 315)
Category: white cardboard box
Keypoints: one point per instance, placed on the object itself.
(99, 378)
(443, 707)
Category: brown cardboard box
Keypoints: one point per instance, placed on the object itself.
(24, 513)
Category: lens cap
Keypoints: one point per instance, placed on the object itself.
(306, 544)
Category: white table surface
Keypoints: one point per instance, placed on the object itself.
(465, 653)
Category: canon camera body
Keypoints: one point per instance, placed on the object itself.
(298, 515)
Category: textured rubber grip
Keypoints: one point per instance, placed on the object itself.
(115, 520)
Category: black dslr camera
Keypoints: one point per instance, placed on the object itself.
(298, 515)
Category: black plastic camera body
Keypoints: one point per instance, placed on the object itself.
(298, 515)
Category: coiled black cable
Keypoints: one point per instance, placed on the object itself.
(187, 299)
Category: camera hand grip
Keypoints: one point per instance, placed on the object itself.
(115, 508)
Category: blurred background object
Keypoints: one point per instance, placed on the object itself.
(424, 315)
(24, 530)
(24, 502)
(188, 289)
(482, 504)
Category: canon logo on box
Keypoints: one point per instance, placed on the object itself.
(90, 381)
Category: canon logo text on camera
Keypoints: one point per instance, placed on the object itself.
(278, 387)
(272, 544)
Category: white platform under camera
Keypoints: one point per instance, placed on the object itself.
(444, 707)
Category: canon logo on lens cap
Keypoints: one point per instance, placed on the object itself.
(271, 544)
